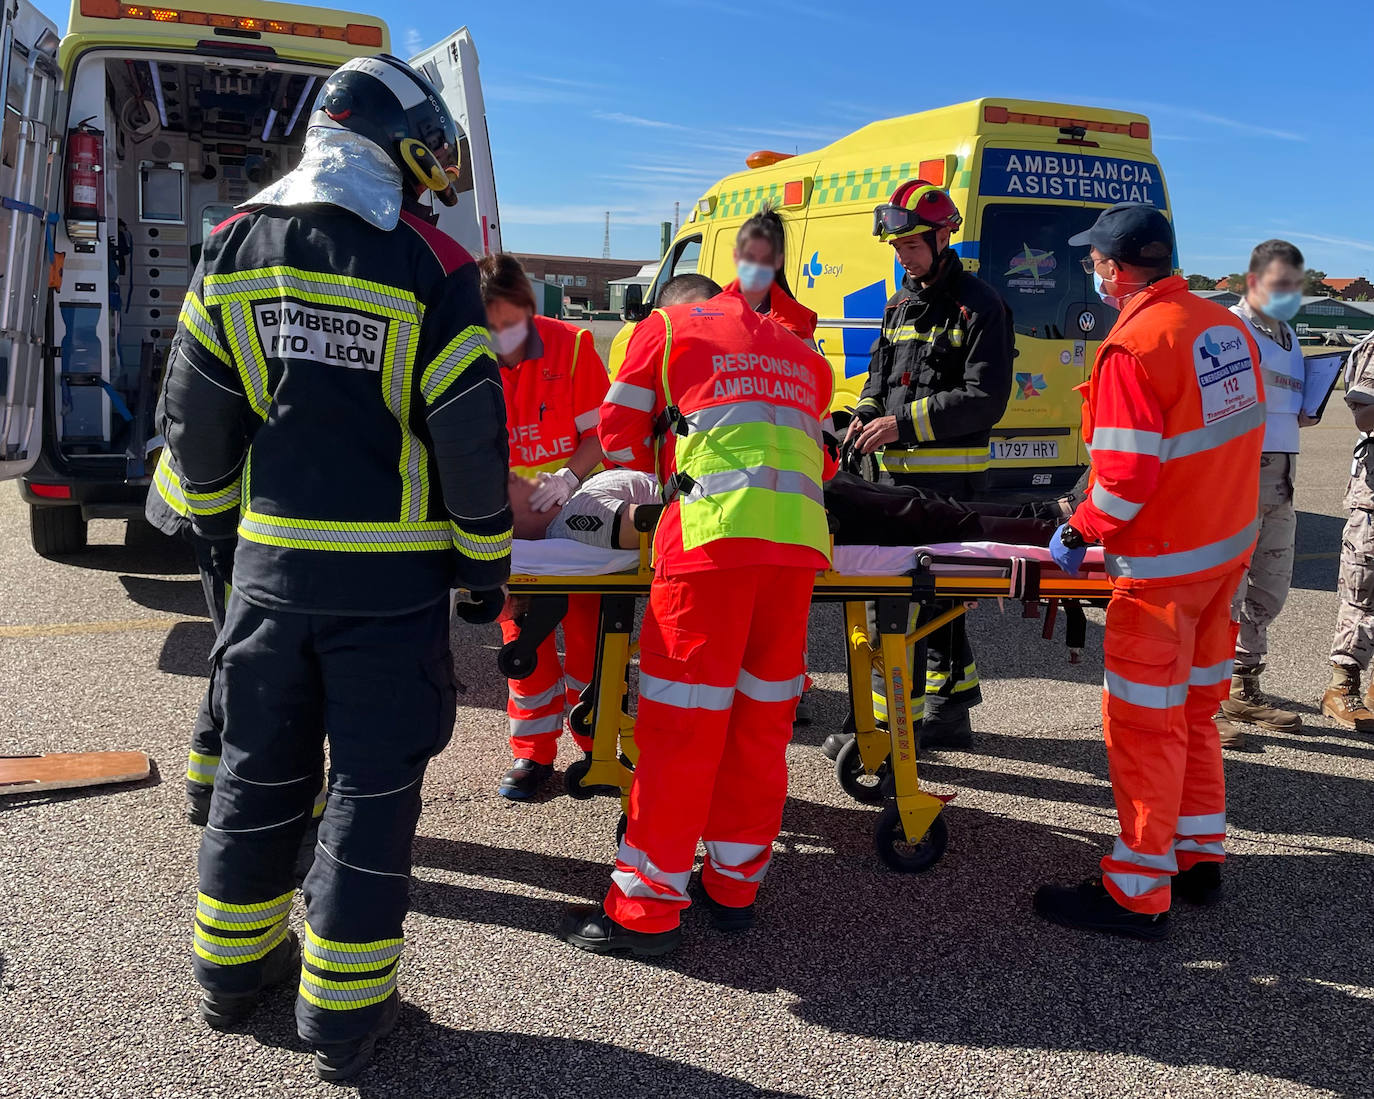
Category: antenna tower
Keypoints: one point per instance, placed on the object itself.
(606, 241)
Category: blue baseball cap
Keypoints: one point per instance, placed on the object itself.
(1134, 233)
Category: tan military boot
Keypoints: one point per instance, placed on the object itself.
(1248, 703)
(1342, 702)
(1232, 736)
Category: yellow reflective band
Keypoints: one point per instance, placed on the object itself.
(317, 810)
(397, 359)
(324, 534)
(448, 366)
(937, 460)
(326, 289)
(344, 995)
(920, 420)
(252, 367)
(214, 503)
(868, 402)
(482, 547)
(168, 485)
(907, 333)
(331, 954)
(202, 768)
(224, 916)
(219, 950)
(197, 321)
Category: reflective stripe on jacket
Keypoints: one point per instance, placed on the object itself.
(943, 368)
(331, 399)
(1174, 417)
(746, 447)
(553, 402)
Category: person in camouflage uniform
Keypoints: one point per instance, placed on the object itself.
(1354, 641)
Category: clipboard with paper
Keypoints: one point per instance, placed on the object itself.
(1319, 380)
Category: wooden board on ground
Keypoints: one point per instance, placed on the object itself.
(69, 770)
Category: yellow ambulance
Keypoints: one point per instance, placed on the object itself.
(1027, 176)
(125, 143)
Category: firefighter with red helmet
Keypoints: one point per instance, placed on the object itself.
(938, 380)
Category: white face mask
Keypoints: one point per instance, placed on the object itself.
(508, 341)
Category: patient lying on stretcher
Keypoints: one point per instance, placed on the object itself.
(603, 512)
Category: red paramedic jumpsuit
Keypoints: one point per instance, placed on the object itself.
(1174, 418)
(786, 310)
(553, 402)
(722, 650)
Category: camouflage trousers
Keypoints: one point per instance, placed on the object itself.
(1265, 587)
(1354, 641)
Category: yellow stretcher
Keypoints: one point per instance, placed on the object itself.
(879, 765)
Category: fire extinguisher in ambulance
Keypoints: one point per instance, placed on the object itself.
(85, 174)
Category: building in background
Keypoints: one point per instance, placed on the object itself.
(1320, 320)
(621, 287)
(585, 281)
(1359, 289)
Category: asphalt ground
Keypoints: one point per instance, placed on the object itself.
(856, 981)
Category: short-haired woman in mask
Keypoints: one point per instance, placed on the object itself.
(554, 383)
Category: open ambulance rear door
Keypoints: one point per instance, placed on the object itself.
(28, 176)
(452, 67)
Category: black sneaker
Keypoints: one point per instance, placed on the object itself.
(198, 803)
(1089, 907)
(724, 917)
(344, 1060)
(831, 745)
(1200, 884)
(589, 928)
(806, 713)
(223, 1010)
(949, 727)
(525, 779)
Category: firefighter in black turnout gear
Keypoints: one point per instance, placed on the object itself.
(332, 404)
(939, 379)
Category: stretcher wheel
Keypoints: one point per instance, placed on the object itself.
(862, 787)
(580, 720)
(572, 780)
(513, 663)
(620, 828)
(909, 858)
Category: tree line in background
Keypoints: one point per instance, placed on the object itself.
(1313, 283)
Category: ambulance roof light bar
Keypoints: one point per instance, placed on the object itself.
(355, 34)
(765, 158)
(1001, 115)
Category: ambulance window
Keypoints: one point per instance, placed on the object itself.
(1024, 254)
(683, 260)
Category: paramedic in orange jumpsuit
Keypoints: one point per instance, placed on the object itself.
(739, 401)
(1174, 418)
(554, 383)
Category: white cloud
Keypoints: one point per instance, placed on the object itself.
(1205, 118)
(414, 41)
(1343, 242)
(636, 120)
(571, 214)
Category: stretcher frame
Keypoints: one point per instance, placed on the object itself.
(911, 833)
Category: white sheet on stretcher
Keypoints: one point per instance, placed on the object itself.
(567, 557)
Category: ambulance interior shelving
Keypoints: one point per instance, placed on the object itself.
(159, 151)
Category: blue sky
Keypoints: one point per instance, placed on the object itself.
(1263, 119)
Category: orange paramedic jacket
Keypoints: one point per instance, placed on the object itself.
(1173, 416)
(553, 402)
(710, 349)
(786, 310)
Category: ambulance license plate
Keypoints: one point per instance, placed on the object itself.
(1025, 450)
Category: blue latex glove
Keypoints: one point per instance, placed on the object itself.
(1070, 560)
